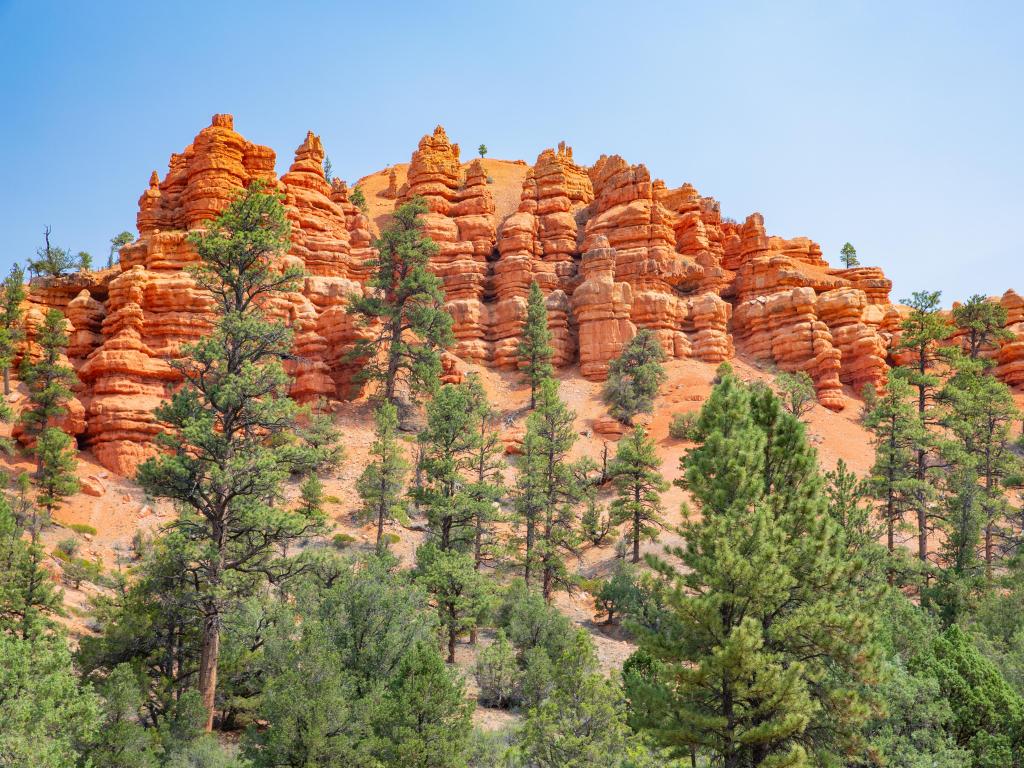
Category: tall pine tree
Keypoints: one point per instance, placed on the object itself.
(234, 434)
(639, 486)
(11, 318)
(380, 484)
(535, 350)
(405, 306)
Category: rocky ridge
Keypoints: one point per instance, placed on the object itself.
(613, 250)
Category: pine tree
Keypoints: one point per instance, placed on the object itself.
(550, 486)
(535, 350)
(743, 664)
(48, 378)
(27, 595)
(797, 392)
(458, 591)
(56, 458)
(634, 377)
(408, 303)
(117, 242)
(639, 486)
(851, 506)
(450, 442)
(898, 435)
(51, 260)
(983, 323)
(11, 319)
(380, 484)
(979, 421)
(234, 434)
(486, 484)
(921, 332)
(328, 169)
(848, 255)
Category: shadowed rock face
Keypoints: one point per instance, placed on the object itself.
(612, 249)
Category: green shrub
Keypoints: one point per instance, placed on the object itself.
(78, 569)
(82, 528)
(342, 540)
(684, 426)
(497, 674)
(66, 548)
(390, 539)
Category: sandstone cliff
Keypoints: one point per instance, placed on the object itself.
(612, 248)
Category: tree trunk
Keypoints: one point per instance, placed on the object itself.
(380, 528)
(7, 381)
(530, 534)
(208, 665)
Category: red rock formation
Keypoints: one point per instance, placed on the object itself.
(602, 307)
(1010, 359)
(862, 346)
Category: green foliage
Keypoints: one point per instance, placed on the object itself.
(683, 426)
(380, 485)
(328, 169)
(358, 199)
(48, 378)
(342, 540)
(549, 488)
(12, 332)
(482, 149)
(595, 523)
(405, 316)
(618, 595)
(459, 593)
(79, 569)
(27, 595)
(234, 435)
(638, 486)
(634, 377)
(84, 261)
(51, 260)
(983, 323)
(535, 351)
(848, 255)
(741, 661)
(123, 741)
(797, 392)
(46, 716)
(56, 459)
(117, 242)
(83, 528)
(497, 674)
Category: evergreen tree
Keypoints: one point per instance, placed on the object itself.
(47, 718)
(117, 242)
(979, 421)
(848, 255)
(639, 486)
(55, 480)
(123, 741)
(48, 378)
(850, 506)
(458, 591)
(983, 323)
(634, 377)
(235, 436)
(358, 199)
(550, 486)
(380, 484)
(742, 663)
(408, 304)
(797, 392)
(898, 434)
(486, 484)
(328, 169)
(28, 599)
(921, 332)
(535, 350)
(482, 149)
(84, 259)
(51, 260)
(450, 442)
(11, 319)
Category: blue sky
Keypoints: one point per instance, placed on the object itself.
(895, 125)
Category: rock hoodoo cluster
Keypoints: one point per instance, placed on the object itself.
(612, 249)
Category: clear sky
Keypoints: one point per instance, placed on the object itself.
(895, 125)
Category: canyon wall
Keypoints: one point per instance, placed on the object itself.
(612, 249)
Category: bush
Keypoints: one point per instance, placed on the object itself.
(618, 595)
(66, 548)
(634, 377)
(390, 539)
(342, 540)
(684, 426)
(497, 674)
(142, 544)
(596, 524)
(83, 528)
(78, 569)
(797, 392)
